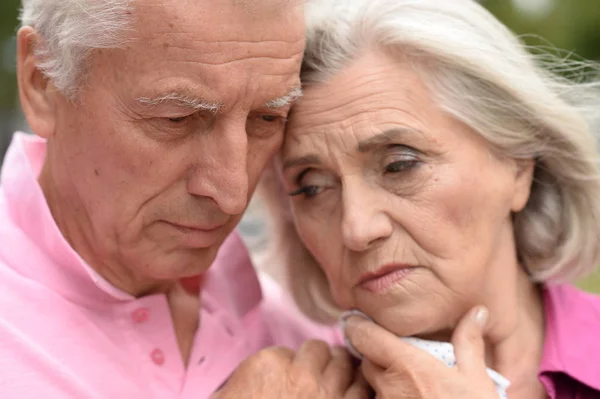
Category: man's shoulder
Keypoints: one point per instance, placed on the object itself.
(288, 325)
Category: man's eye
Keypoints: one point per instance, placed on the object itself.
(178, 119)
(270, 118)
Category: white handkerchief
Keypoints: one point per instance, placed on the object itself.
(444, 351)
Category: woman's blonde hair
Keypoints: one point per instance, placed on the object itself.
(519, 99)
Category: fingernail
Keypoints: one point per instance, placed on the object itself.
(481, 316)
(352, 317)
(350, 324)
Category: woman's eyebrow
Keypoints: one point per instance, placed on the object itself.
(386, 137)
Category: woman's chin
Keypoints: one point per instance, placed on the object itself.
(409, 319)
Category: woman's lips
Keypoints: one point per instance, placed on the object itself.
(385, 278)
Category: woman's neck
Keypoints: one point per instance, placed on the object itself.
(516, 338)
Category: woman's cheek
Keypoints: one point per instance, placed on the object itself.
(323, 241)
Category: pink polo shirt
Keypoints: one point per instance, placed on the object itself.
(67, 333)
(570, 367)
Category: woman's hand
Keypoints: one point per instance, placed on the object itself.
(316, 371)
(396, 369)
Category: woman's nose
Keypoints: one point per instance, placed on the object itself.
(365, 221)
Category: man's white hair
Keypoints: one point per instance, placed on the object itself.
(70, 30)
(481, 74)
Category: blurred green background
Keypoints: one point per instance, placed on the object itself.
(572, 25)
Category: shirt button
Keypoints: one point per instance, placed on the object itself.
(158, 357)
(140, 315)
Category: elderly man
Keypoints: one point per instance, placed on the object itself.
(153, 120)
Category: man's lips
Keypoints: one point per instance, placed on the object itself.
(206, 227)
(384, 278)
(200, 235)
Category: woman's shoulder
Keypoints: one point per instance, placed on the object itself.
(571, 348)
(568, 297)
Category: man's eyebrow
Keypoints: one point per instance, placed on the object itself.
(286, 100)
(387, 137)
(181, 100)
(302, 161)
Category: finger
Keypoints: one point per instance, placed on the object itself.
(269, 357)
(373, 374)
(381, 346)
(313, 355)
(339, 373)
(469, 345)
(359, 389)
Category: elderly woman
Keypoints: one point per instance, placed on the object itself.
(434, 166)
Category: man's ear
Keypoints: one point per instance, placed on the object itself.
(523, 180)
(36, 92)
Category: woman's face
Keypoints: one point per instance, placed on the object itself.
(407, 210)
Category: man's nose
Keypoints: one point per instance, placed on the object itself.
(365, 221)
(222, 169)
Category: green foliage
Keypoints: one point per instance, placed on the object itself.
(573, 25)
(8, 22)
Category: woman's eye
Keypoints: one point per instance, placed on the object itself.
(308, 191)
(400, 166)
(311, 183)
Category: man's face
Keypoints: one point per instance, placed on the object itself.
(159, 158)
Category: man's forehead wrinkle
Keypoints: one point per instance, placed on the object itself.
(236, 60)
(233, 41)
(215, 51)
(217, 44)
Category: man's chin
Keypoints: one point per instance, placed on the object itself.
(181, 264)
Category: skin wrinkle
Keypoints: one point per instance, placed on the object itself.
(282, 45)
(350, 98)
(283, 51)
(234, 62)
(346, 108)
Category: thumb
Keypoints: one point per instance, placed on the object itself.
(469, 345)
